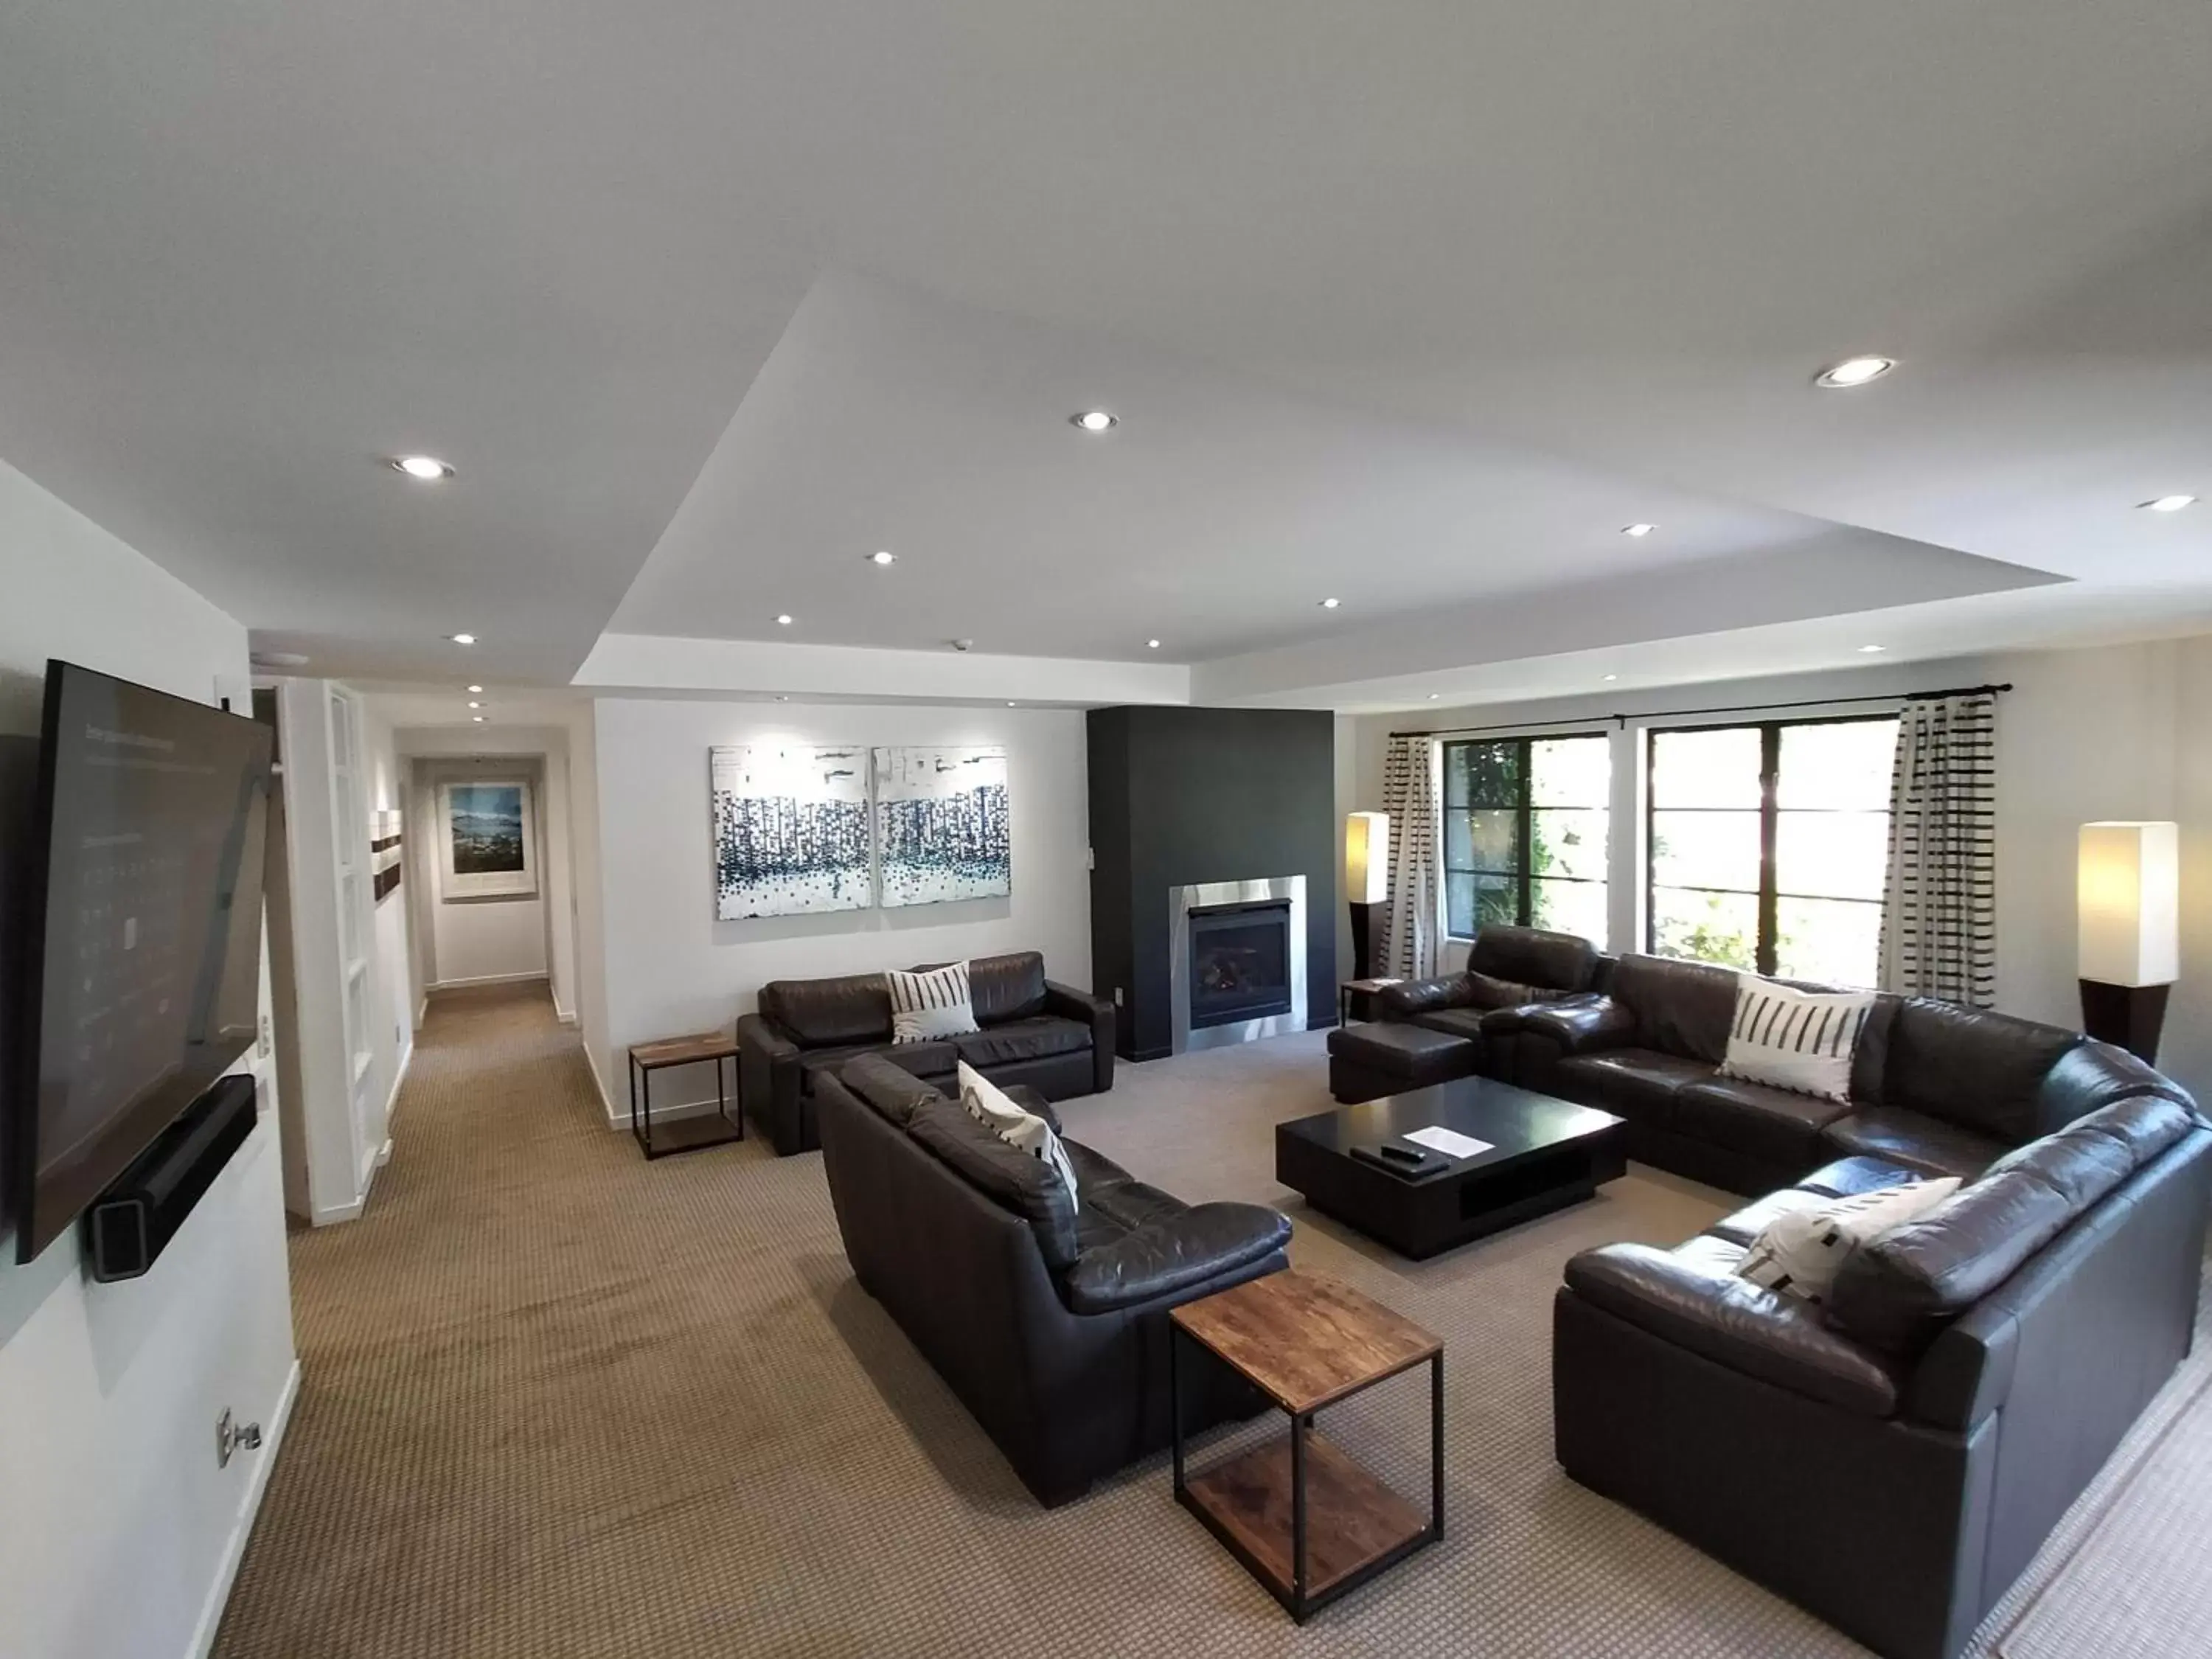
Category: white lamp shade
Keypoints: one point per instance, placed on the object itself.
(2129, 893)
(1367, 857)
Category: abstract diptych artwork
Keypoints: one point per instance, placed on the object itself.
(942, 830)
(791, 830)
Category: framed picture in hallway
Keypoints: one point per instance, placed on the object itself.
(487, 839)
(791, 828)
(942, 828)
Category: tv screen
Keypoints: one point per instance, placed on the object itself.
(140, 982)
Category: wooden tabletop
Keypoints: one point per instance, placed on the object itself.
(1304, 1340)
(682, 1050)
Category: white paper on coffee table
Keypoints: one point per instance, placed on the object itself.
(1450, 1142)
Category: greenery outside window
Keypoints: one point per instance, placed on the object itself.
(1769, 845)
(1525, 827)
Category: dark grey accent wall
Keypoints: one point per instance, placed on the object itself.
(1185, 795)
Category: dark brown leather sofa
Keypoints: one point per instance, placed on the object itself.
(1053, 1038)
(1427, 1031)
(1936, 1088)
(1048, 1319)
(1892, 1462)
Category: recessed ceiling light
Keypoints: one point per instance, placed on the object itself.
(881, 556)
(478, 719)
(2169, 503)
(784, 620)
(1330, 605)
(1094, 420)
(1609, 677)
(476, 705)
(1638, 529)
(462, 639)
(423, 469)
(474, 689)
(1010, 702)
(1869, 650)
(279, 660)
(1152, 645)
(1853, 371)
(782, 697)
(1434, 695)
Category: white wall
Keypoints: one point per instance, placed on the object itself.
(118, 1534)
(671, 967)
(487, 939)
(479, 941)
(2114, 732)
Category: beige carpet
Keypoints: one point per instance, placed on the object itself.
(560, 1402)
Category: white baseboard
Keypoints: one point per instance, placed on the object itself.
(384, 1152)
(600, 1084)
(234, 1549)
(487, 979)
(331, 1215)
(391, 1100)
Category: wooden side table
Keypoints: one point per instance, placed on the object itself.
(686, 1135)
(1305, 1520)
(1359, 993)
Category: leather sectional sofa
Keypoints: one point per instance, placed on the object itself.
(1053, 1038)
(1891, 1461)
(1047, 1318)
(1936, 1088)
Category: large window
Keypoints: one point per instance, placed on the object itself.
(1525, 834)
(1768, 845)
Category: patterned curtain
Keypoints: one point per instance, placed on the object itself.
(1939, 933)
(1405, 944)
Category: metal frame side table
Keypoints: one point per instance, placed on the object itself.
(686, 1134)
(1302, 1517)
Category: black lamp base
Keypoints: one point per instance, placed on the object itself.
(2129, 1015)
(1363, 940)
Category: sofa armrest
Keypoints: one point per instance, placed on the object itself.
(1734, 1322)
(1098, 1012)
(1203, 1242)
(1424, 996)
(768, 1081)
(1034, 1103)
(1582, 1025)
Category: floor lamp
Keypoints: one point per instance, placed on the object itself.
(2130, 900)
(1366, 881)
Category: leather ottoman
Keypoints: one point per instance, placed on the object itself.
(1366, 1062)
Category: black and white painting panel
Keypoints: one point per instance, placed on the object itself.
(942, 830)
(791, 830)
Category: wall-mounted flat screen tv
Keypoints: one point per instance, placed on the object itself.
(138, 979)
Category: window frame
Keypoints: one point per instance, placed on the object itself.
(1769, 894)
(1524, 811)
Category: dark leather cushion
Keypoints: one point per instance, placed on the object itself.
(1574, 1027)
(1775, 1126)
(1897, 1293)
(1926, 1145)
(1530, 957)
(1980, 1070)
(1092, 1168)
(1037, 1037)
(1003, 988)
(853, 1008)
(1464, 1022)
(1691, 1298)
(1637, 1084)
(1681, 1007)
(1023, 1185)
(1410, 997)
(1174, 1253)
(1746, 1223)
(1413, 1054)
(930, 1060)
(1132, 1204)
(890, 1088)
(1849, 1176)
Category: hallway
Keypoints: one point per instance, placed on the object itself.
(488, 1391)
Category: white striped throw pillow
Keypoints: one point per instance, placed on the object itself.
(1801, 1041)
(993, 1108)
(928, 1007)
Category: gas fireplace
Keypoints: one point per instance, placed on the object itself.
(1237, 960)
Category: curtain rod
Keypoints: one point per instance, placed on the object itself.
(1719, 709)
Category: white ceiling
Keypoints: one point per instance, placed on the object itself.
(1412, 305)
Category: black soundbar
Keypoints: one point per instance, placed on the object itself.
(130, 1223)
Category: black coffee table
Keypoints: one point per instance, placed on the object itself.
(1545, 1155)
